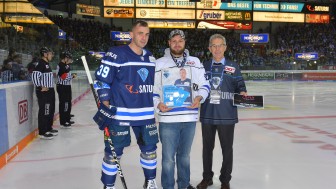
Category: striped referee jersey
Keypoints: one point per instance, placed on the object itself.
(42, 76)
(64, 76)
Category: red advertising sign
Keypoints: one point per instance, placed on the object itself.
(317, 18)
(23, 111)
(226, 25)
(321, 76)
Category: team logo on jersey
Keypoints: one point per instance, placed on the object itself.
(190, 63)
(215, 82)
(131, 90)
(143, 72)
(166, 73)
(141, 89)
(230, 69)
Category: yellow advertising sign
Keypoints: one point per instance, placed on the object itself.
(114, 12)
(18, 7)
(210, 15)
(28, 19)
(119, 3)
(278, 17)
(209, 4)
(165, 13)
(87, 10)
(150, 3)
(180, 4)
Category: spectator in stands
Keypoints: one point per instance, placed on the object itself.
(7, 73)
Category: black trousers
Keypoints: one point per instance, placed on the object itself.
(64, 97)
(46, 102)
(226, 135)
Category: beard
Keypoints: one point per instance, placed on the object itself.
(177, 52)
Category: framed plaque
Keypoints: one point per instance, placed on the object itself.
(248, 101)
(176, 87)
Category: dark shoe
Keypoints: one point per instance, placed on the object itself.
(191, 187)
(66, 125)
(71, 122)
(204, 184)
(71, 115)
(54, 132)
(46, 136)
(225, 186)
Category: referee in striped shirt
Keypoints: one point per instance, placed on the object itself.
(42, 78)
(64, 78)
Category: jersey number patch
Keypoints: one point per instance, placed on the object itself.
(103, 71)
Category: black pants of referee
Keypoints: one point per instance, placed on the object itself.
(225, 134)
(64, 97)
(46, 102)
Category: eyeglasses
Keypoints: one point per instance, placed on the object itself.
(217, 46)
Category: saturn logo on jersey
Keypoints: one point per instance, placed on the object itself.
(141, 89)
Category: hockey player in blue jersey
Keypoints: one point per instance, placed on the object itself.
(124, 82)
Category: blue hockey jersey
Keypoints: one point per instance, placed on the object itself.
(228, 79)
(126, 80)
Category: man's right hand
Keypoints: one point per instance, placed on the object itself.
(163, 108)
(104, 116)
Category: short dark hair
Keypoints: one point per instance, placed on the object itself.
(139, 23)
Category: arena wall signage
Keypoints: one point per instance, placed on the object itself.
(115, 12)
(120, 36)
(98, 55)
(316, 8)
(306, 56)
(150, 3)
(238, 15)
(225, 25)
(317, 18)
(278, 17)
(254, 38)
(171, 24)
(180, 4)
(291, 7)
(265, 6)
(165, 13)
(18, 7)
(216, 4)
(237, 5)
(258, 76)
(87, 10)
(28, 19)
(61, 34)
(119, 3)
(210, 15)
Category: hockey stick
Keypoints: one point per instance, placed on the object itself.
(106, 132)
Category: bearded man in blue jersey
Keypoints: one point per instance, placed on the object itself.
(124, 82)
